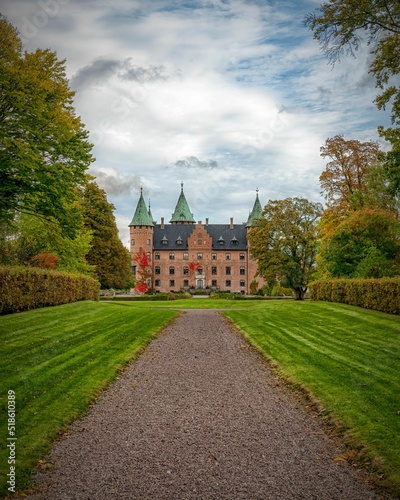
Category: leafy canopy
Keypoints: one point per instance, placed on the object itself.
(44, 152)
(284, 241)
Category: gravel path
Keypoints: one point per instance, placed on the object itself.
(198, 416)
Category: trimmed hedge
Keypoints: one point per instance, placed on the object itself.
(25, 288)
(381, 294)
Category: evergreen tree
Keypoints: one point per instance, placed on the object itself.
(111, 259)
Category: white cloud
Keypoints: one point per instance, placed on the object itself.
(226, 95)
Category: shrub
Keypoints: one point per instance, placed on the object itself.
(381, 294)
(24, 288)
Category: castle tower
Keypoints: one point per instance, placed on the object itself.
(256, 213)
(141, 244)
(182, 213)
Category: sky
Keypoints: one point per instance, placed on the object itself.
(226, 96)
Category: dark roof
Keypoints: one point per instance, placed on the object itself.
(223, 237)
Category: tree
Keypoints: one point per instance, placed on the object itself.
(44, 152)
(342, 26)
(345, 173)
(111, 259)
(31, 236)
(284, 241)
(365, 244)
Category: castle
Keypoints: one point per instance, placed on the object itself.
(186, 255)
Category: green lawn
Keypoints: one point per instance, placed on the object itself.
(57, 360)
(346, 357)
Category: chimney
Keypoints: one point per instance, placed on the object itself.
(206, 221)
(199, 223)
(162, 222)
(231, 225)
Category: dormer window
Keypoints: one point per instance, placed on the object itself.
(179, 241)
(234, 241)
(221, 240)
(164, 241)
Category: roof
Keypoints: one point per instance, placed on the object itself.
(223, 237)
(256, 213)
(142, 216)
(182, 211)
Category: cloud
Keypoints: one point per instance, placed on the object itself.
(193, 162)
(115, 184)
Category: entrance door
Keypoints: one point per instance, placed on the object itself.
(200, 284)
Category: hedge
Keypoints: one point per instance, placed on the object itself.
(25, 288)
(381, 294)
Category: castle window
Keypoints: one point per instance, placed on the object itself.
(171, 282)
(228, 256)
(251, 256)
(213, 256)
(149, 255)
(241, 256)
(234, 241)
(157, 283)
(157, 256)
(242, 283)
(185, 282)
(171, 256)
(164, 241)
(221, 240)
(199, 256)
(228, 283)
(132, 242)
(171, 270)
(228, 270)
(199, 242)
(214, 270)
(185, 256)
(242, 270)
(157, 270)
(179, 241)
(148, 241)
(214, 283)
(185, 270)
(199, 235)
(200, 270)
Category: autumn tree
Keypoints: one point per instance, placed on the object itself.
(284, 241)
(110, 258)
(346, 170)
(44, 152)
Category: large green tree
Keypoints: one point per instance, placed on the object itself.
(44, 151)
(284, 241)
(365, 244)
(111, 259)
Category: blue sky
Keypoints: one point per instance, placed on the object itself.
(224, 95)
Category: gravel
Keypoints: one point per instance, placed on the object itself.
(198, 415)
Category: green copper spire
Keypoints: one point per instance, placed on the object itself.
(149, 212)
(182, 211)
(256, 213)
(142, 215)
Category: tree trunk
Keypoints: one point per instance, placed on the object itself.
(299, 292)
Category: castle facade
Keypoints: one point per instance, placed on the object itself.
(185, 255)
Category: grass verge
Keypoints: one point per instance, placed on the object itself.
(57, 360)
(346, 357)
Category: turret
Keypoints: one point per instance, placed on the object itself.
(182, 213)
